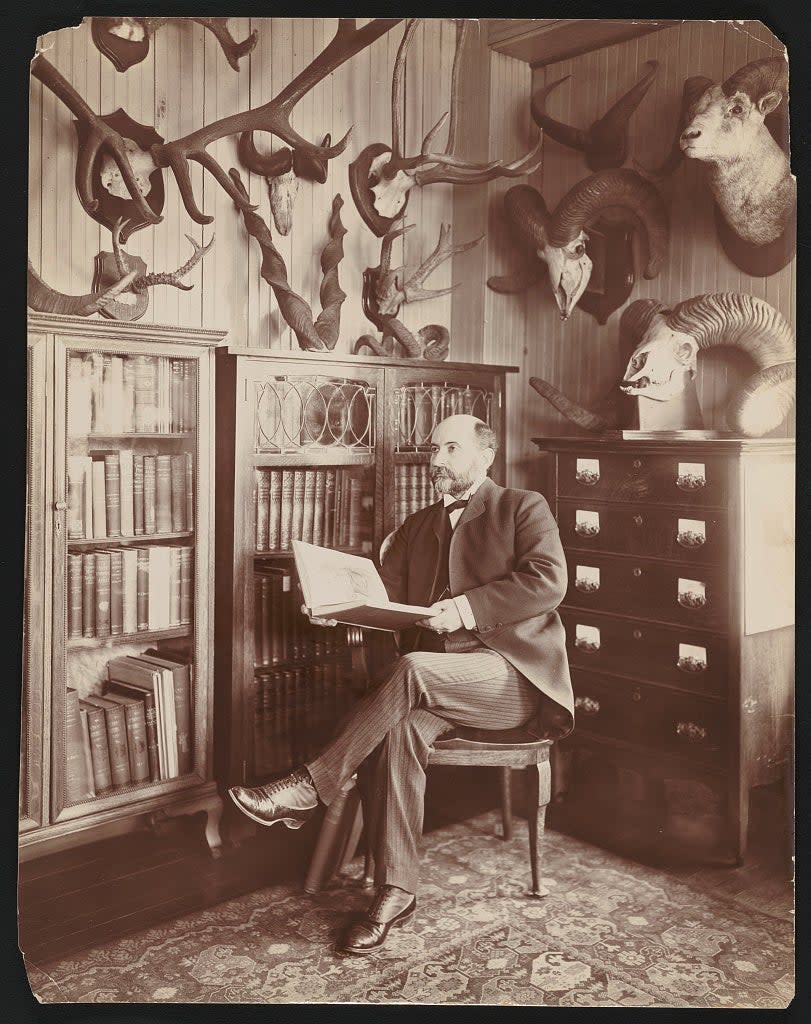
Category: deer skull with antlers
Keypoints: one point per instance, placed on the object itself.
(382, 177)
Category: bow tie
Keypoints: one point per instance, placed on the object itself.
(454, 505)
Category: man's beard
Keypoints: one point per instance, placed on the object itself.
(445, 481)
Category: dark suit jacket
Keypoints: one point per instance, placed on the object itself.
(506, 557)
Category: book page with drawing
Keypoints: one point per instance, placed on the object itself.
(348, 588)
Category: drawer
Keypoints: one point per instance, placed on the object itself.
(646, 716)
(682, 479)
(663, 654)
(687, 595)
(643, 530)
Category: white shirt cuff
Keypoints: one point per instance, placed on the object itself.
(465, 611)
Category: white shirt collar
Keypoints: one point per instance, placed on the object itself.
(448, 498)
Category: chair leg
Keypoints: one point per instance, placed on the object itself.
(331, 838)
(506, 803)
(538, 792)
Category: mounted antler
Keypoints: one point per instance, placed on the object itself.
(45, 299)
(605, 144)
(273, 116)
(381, 177)
(144, 281)
(125, 41)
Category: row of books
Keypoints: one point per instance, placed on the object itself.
(413, 490)
(296, 711)
(282, 633)
(118, 591)
(139, 730)
(111, 394)
(326, 506)
(419, 407)
(122, 493)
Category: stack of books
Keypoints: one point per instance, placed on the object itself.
(413, 490)
(281, 632)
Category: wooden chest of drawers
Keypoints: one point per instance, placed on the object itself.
(679, 624)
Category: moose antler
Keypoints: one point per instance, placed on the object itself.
(144, 281)
(273, 116)
(126, 40)
(382, 176)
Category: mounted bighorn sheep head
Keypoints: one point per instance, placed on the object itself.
(725, 126)
(664, 360)
(386, 290)
(273, 116)
(605, 144)
(382, 177)
(125, 41)
(559, 239)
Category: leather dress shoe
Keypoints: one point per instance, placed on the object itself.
(369, 932)
(291, 800)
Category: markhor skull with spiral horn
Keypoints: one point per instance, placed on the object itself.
(559, 238)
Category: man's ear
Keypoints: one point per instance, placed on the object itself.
(490, 456)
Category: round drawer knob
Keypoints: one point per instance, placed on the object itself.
(638, 520)
(637, 463)
(60, 506)
(636, 695)
(637, 571)
(637, 634)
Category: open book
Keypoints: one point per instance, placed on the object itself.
(348, 588)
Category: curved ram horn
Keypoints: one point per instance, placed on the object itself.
(45, 299)
(605, 144)
(577, 414)
(619, 187)
(635, 320)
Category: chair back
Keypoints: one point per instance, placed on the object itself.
(386, 543)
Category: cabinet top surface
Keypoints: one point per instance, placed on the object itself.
(666, 443)
(120, 330)
(328, 359)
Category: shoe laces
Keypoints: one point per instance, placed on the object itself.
(286, 781)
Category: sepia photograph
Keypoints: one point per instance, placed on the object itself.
(409, 552)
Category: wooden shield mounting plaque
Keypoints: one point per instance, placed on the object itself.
(122, 53)
(129, 305)
(111, 207)
(610, 248)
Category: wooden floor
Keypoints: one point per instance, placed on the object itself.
(92, 894)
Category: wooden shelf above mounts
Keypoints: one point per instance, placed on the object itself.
(540, 41)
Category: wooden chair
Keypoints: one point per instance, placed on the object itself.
(503, 748)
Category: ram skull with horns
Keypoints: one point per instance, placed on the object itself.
(664, 359)
(559, 239)
(738, 129)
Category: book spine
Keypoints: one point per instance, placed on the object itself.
(258, 623)
(136, 741)
(128, 405)
(76, 527)
(174, 586)
(338, 538)
(151, 725)
(399, 495)
(88, 760)
(177, 416)
(308, 502)
(112, 494)
(126, 468)
(178, 479)
(129, 587)
(80, 403)
(286, 528)
(183, 716)
(89, 594)
(163, 494)
(274, 509)
(102, 593)
(329, 509)
(138, 495)
(99, 501)
(145, 381)
(114, 393)
(142, 591)
(318, 506)
(99, 750)
(96, 380)
(189, 491)
(190, 394)
(298, 505)
(354, 524)
(116, 593)
(117, 744)
(186, 592)
(78, 784)
(262, 505)
(74, 596)
(163, 396)
(160, 596)
(87, 496)
(268, 625)
(150, 498)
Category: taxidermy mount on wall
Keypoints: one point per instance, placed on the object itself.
(282, 171)
(558, 239)
(125, 41)
(739, 130)
(605, 143)
(385, 290)
(312, 335)
(273, 116)
(665, 344)
(382, 177)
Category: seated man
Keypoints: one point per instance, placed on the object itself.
(488, 562)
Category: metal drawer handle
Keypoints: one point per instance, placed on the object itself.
(588, 477)
(689, 599)
(690, 539)
(691, 732)
(637, 634)
(588, 646)
(638, 520)
(587, 705)
(691, 665)
(690, 482)
(586, 529)
(637, 571)
(637, 463)
(636, 695)
(586, 586)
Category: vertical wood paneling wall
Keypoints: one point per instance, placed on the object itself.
(185, 82)
(581, 357)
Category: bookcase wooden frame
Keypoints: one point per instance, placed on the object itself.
(51, 822)
(238, 369)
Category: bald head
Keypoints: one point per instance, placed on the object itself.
(462, 450)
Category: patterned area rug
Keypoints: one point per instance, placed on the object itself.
(611, 933)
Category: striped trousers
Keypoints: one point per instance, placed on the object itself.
(389, 733)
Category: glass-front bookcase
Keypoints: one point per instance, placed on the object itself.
(119, 559)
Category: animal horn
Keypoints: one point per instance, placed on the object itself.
(565, 134)
(608, 138)
(759, 77)
(635, 321)
(577, 414)
(694, 88)
(45, 299)
(618, 187)
(527, 211)
(742, 321)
